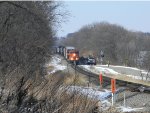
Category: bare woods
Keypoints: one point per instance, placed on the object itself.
(27, 31)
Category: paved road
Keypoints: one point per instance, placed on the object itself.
(128, 71)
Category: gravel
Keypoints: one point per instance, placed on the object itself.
(134, 99)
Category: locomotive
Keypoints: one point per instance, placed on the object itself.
(71, 54)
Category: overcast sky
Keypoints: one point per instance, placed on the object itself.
(133, 16)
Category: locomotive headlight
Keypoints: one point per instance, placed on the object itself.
(74, 54)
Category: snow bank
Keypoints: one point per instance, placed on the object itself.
(56, 64)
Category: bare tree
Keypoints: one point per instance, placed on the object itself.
(26, 36)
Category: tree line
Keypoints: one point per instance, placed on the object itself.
(120, 45)
(27, 31)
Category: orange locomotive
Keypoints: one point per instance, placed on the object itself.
(73, 56)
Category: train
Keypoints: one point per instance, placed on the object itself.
(71, 54)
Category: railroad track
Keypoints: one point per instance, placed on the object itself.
(107, 81)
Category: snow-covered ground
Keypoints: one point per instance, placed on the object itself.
(91, 92)
(100, 95)
(56, 65)
(132, 72)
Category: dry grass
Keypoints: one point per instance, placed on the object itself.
(77, 80)
(50, 68)
(50, 94)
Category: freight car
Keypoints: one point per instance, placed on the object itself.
(54, 49)
(69, 53)
(59, 49)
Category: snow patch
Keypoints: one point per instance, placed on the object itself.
(91, 93)
(134, 68)
(56, 64)
(132, 72)
(97, 69)
(129, 109)
(106, 70)
(101, 96)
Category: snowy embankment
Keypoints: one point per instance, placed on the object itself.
(101, 96)
(132, 72)
(91, 92)
(55, 64)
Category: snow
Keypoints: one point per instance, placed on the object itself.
(100, 95)
(107, 70)
(97, 69)
(134, 68)
(92, 93)
(131, 72)
(56, 64)
(129, 109)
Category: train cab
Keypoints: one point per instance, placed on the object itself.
(73, 55)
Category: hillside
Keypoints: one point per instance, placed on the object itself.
(119, 44)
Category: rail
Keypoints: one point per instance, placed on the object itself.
(107, 80)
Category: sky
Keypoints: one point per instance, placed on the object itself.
(134, 16)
